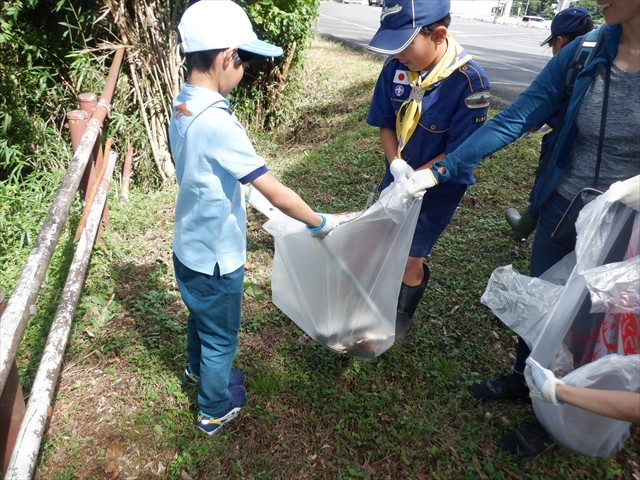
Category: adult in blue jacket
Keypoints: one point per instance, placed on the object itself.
(571, 167)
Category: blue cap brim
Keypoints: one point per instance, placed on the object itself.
(391, 42)
(262, 48)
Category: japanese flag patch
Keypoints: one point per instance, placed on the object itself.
(401, 77)
(478, 100)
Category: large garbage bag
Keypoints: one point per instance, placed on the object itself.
(343, 290)
(590, 333)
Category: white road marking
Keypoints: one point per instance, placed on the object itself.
(350, 23)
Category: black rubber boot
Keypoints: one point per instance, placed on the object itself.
(407, 304)
(522, 225)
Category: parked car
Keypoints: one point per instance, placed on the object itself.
(535, 22)
(376, 2)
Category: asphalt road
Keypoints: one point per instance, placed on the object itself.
(511, 55)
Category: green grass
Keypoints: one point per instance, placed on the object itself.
(311, 412)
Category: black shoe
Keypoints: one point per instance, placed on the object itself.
(529, 441)
(507, 387)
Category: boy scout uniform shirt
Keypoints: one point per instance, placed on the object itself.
(451, 111)
(213, 158)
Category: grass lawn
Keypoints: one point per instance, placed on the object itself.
(311, 413)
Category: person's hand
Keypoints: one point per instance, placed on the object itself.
(400, 170)
(628, 192)
(418, 183)
(542, 382)
(325, 228)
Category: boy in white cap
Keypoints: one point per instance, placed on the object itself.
(214, 160)
(429, 98)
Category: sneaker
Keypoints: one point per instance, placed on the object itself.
(529, 441)
(506, 387)
(236, 377)
(211, 425)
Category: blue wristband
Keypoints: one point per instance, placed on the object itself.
(560, 402)
(324, 221)
(246, 199)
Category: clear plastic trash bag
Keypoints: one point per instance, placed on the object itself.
(343, 290)
(584, 432)
(523, 303)
(590, 333)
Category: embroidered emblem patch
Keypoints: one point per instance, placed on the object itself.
(481, 119)
(478, 100)
(401, 77)
(399, 90)
(389, 11)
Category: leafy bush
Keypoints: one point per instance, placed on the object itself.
(286, 23)
(52, 50)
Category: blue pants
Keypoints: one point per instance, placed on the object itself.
(215, 304)
(545, 253)
(438, 206)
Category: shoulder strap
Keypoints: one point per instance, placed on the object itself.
(585, 53)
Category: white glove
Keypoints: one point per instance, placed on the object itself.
(628, 192)
(325, 228)
(420, 181)
(400, 170)
(542, 382)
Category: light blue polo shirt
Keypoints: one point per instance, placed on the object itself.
(213, 158)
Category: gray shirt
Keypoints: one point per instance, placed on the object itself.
(621, 148)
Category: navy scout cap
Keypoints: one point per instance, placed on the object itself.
(401, 20)
(566, 22)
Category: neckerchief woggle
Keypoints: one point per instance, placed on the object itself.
(411, 110)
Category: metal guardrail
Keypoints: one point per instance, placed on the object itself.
(21, 431)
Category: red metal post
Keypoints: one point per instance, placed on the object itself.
(126, 176)
(88, 103)
(11, 414)
(78, 120)
(11, 409)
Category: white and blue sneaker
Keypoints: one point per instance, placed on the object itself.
(210, 425)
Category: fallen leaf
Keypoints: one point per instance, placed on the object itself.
(248, 265)
(112, 456)
(112, 466)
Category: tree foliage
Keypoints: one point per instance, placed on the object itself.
(547, 8)
(52, 50)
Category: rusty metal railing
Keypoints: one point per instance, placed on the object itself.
(20, 446)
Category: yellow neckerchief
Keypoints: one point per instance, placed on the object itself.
(410, 111)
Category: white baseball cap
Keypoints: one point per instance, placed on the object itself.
(219, 24)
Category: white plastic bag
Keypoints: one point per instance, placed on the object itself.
(343, 290)
(584, 432)
(523, 303)
(587, 345)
